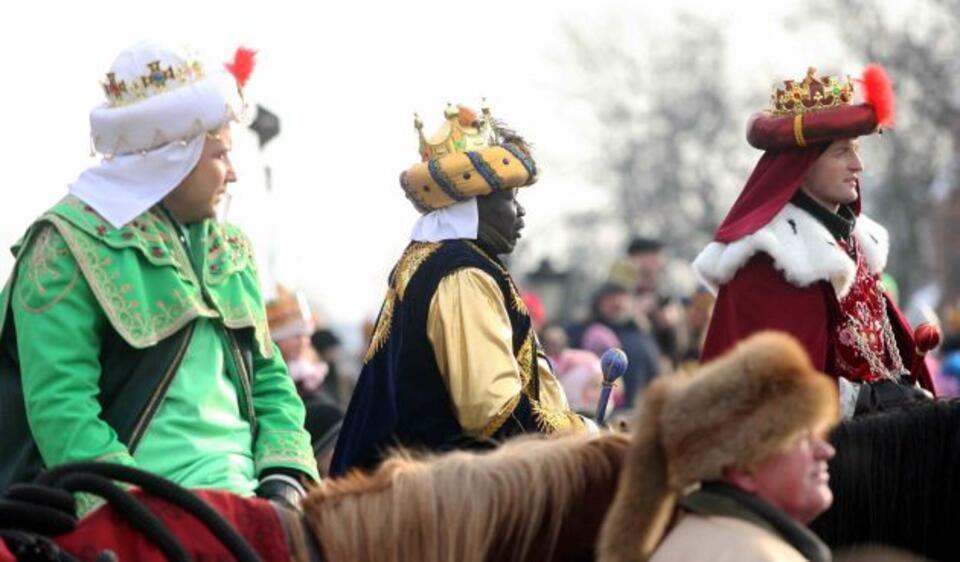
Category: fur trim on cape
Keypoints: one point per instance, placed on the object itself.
(801, 248)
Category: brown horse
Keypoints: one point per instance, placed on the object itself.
(534, 498)
(531, 499)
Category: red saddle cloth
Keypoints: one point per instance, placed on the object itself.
(106, 529)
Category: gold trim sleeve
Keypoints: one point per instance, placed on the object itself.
(471, 336)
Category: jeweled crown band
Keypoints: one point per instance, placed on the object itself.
(155, 80)
(812, 94)
(821, 110)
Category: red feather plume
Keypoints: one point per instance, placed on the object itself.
(242, 65)
(878, 93)
(926, 337)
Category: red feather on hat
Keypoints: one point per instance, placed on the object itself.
(242, 65)
(878, 93)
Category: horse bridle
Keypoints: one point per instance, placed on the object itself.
(301, 541)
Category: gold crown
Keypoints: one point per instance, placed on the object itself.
(812, 94)
(156, 80)
(460, 133)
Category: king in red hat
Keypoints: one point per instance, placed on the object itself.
(795, 253)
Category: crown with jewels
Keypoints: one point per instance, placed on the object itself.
(812, 94)
(157, 79)
(461, 132)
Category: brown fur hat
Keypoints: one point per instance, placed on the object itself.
(743, 407)
(734, 411)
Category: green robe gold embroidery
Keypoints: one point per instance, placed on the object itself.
(76, 276)
(157, 301)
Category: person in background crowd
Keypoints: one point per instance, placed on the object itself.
(662, 315)
(612, 312)
(291, 324)
(582, 378)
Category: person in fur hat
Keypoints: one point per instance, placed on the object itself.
(454, 360)
(735, 454)
(133, 326)
(796, 254)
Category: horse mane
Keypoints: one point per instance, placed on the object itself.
(894, 480)
(507, 504)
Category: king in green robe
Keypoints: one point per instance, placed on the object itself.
(132, 328)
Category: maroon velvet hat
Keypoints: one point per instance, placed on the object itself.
(817, 110)
(806, 117)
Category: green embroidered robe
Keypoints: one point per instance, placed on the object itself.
(79, 282)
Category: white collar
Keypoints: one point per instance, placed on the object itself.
(459, 220)
(801, 248)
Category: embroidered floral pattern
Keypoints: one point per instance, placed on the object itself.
(47, 276)
(409, 263)
(865, 347)
(148, 304)
(382, 330)
(228, 251)
(282, 447)
(411, 260)
(142, 318)
(149, 233)
(548, 419)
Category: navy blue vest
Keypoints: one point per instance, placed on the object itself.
(400, 398)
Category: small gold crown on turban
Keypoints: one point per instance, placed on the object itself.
(155, 80)
(812, 94)
(461, 132)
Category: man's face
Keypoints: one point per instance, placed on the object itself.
(293, 347)
(649, 269)
(796, 479)
(197, 196)
(501, 220)
(832, 180)
(615, 307)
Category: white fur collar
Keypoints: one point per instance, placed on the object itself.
(801, 247)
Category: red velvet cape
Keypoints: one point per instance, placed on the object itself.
(759, 298)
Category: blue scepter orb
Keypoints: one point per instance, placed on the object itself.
(613, 363)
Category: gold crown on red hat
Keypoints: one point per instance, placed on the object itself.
(812, 94)
(156, 80)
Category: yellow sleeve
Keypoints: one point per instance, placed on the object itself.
(472, 340)
(552, 396)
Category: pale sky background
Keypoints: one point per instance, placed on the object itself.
(345, 79)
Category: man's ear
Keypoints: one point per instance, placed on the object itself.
(742, 478)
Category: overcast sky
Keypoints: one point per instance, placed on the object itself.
(345, 79)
